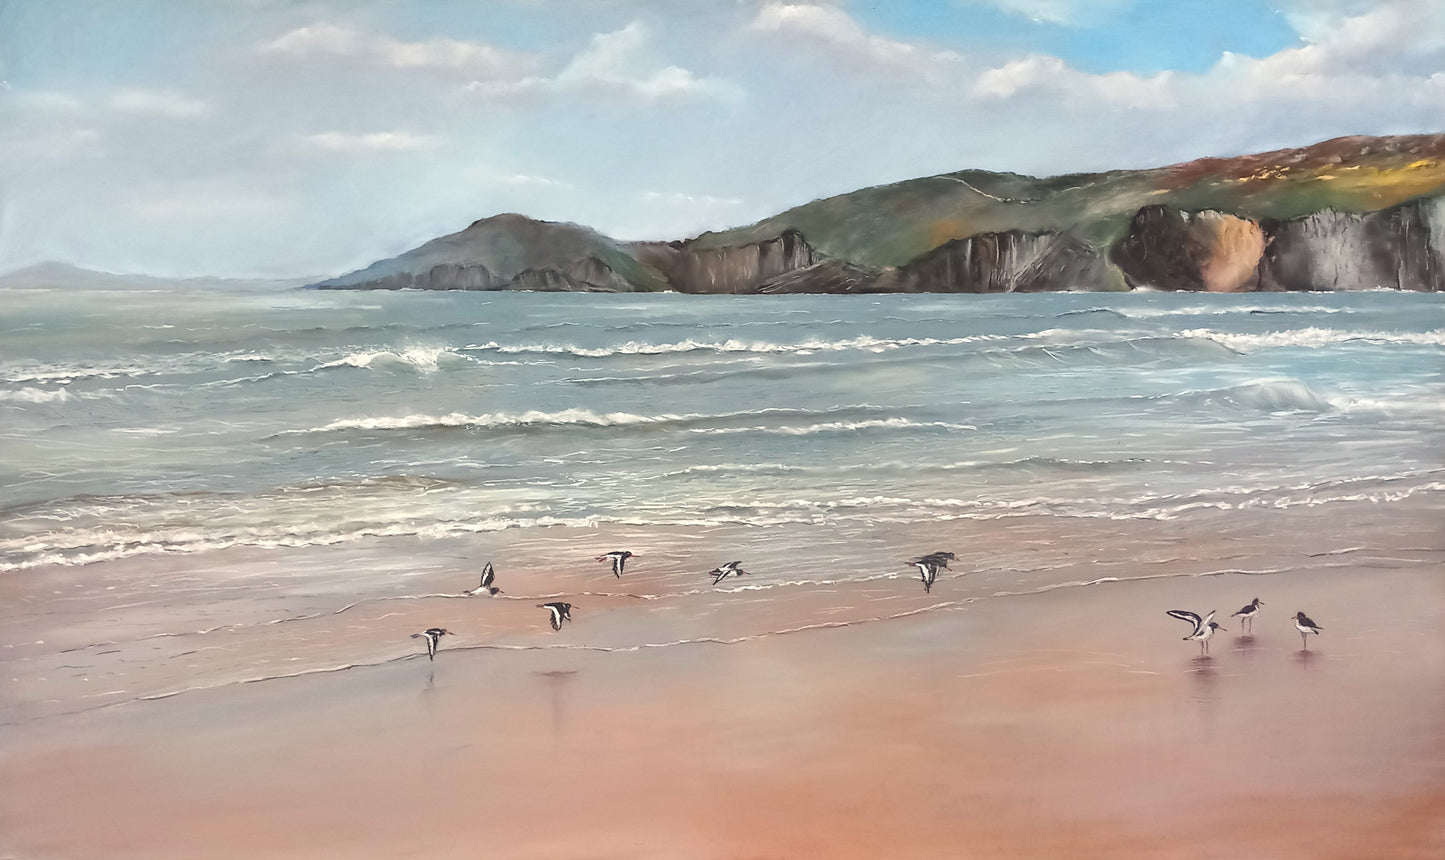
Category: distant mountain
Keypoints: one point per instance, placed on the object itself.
(1349, 213)
(510, 252)
(53, 274)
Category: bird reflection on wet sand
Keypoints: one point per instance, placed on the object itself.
(557, 681)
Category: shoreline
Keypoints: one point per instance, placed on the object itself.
(1069, 722)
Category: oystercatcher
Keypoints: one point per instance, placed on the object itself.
(1247, 613)
(560, 612)
(1305, 626)
(488, 577)
(619, 560)
(1203, 627)
(723, 571)
(432, 634)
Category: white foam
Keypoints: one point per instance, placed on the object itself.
(35, 395)
(1312, 338)
(865, 343)
(425, 359)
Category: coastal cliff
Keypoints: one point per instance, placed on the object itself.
(1347, 214)
(1396, 248)
(729, 269)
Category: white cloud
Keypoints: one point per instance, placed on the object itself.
(834, 28)
(1388, 57)
(1066, 12)
(1039, 72)
(531, 179)
(353, 142)
(171, 104)
(618, 64)
(333, 40)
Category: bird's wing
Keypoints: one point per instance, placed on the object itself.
(1186, 615)
(488, 575)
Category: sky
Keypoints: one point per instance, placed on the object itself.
(289, 138)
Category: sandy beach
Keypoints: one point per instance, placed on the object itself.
(1067, 722)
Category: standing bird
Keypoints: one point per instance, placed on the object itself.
(1203, 627)
(560, 612)
(619, 560)
(1246, 614)
(723, 571)
(1305, 626)
(928, 568)
(432, 634)
(488, 577)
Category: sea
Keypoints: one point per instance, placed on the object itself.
(194, 482)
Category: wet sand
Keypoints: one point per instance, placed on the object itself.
(1065, 723)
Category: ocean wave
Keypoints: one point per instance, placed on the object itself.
(1229, 308)
(1268, 395)
(1313, 338)
(82, 546)
(862, 343)
(842, 427)
(91, 545)
(1065, 464)
(586, 418)
(35, 395)
(425, 359)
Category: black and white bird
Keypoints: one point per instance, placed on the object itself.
(432, 635)
(560, 612)
(1203, 627)
(723, 571)
(937, 559)
(1305, 626)
(928, 569)
(1246, 614)
(619, 560)
(486, 587)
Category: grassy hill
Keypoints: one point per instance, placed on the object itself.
(889, 225)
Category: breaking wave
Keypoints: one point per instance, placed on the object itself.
(1313, 338)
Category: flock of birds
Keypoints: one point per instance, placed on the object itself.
(928, 566)
(1205, 626)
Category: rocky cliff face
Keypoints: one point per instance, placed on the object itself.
(1332, 250)
(1008, 262)
(1169, 249)
(1395, 248)
(732, 269)
(446, 276)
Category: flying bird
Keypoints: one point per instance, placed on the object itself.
(486, 587)
(432, 634)
(560, 612)
(1305, 626)
(928, 569)
(937, 559)
(1247, 613)
(723, 571)
(619, 560)
(1203, 627)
